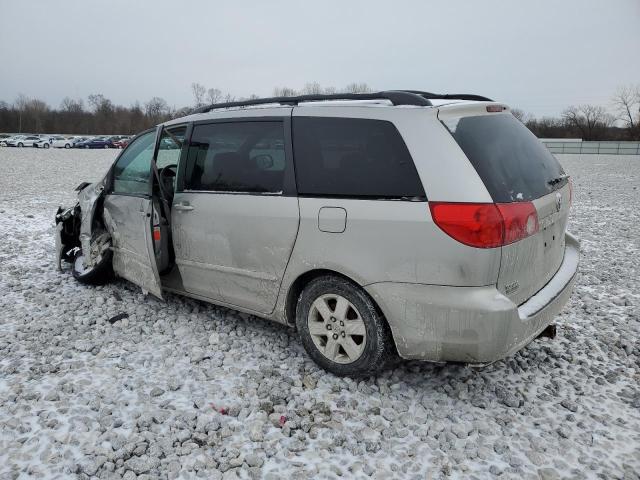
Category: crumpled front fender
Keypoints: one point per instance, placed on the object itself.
(74, 225)
(88, 197)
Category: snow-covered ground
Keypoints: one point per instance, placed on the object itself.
(184, 389)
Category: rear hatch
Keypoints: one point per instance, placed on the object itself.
(516, 167)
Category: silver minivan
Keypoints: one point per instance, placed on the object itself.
(406, 223)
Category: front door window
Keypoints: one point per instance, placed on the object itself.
(132, 171)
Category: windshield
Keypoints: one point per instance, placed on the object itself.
(509, 159)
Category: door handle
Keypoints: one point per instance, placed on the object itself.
(184, 207)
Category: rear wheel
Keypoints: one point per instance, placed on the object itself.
(100, 270)
(106, 146)
(341, 328)
(20, 144)
(66, 145)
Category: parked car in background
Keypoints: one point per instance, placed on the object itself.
(6, 138)
(66, 142)
(43, 142)
(95, 142)
(436, 232)
(123, 142)
(23, 141)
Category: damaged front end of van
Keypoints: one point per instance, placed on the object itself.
(76, 226)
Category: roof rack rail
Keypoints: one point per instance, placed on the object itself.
(450, 96)
(396, 97)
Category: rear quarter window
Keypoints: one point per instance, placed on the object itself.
(353, 158)
(509, 159)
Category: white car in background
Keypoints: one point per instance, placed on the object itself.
(46, 141)
(4, 142)
(22, 141)
(62, 142)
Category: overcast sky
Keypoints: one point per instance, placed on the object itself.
(538, 55)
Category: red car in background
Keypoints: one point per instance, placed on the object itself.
(123, 142)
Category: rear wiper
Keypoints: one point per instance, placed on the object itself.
(555, 181)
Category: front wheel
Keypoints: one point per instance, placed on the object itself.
(341, 328)
(66, 145)
(100, 271)
(46, 145)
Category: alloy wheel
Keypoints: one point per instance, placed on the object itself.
(337, 329)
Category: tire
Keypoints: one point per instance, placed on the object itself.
(66, 145)
(20, 145)
(46, 145)
(106, 146)
(364, 354)
(100, 273)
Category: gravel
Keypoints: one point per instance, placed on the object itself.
(184, 389)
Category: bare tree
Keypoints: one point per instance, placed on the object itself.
(521, 115)
(590, 121)
(312, 88)
(97, 101)
(71, 105)
(20, 105)
(284, 92)
(37, 110)
(198, 91)
(214, 95)
(156, 110)
(626, 102)
(358, 88)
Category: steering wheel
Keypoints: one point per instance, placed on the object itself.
(168, 177)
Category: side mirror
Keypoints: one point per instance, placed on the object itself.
(263, 161)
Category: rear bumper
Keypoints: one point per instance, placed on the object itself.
(471, 324)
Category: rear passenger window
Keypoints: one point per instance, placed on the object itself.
(350, 157)
(236, 157)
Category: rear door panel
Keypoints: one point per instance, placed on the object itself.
(234, 248)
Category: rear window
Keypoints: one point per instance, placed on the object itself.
(353, 158)
(510, 160)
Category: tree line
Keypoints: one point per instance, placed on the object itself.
(99, 115)
(592, 122)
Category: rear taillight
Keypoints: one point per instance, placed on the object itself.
(486, 225)
(520, 220)
(474, 224)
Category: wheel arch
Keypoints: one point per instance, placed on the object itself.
(298, 285)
